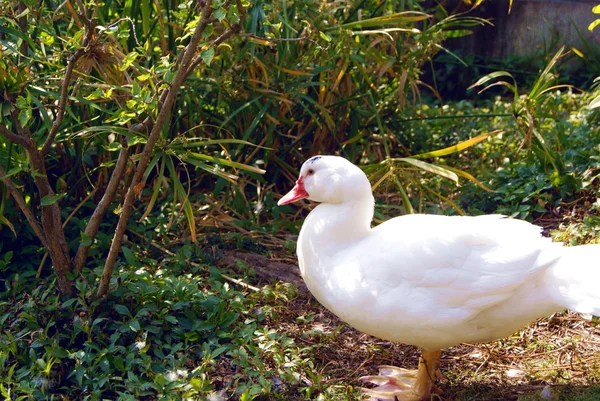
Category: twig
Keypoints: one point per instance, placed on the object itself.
(24, 141)
(64, 95)
(232, 30)
(236, 28)
(93, 224)
(240, 282)
(14, 192)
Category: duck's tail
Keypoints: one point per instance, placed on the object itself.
(575, 279)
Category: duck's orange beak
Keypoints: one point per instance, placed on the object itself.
(297, 193)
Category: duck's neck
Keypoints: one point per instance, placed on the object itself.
(339, 223)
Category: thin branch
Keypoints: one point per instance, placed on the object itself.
(232, 30)
(137, 184)
(24, 141)
(14, 192)
(109, 195)
(64, 90)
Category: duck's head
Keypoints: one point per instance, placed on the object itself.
(329, 179)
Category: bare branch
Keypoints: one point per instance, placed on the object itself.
(26, 142)
(137, 184)
(14, 192)
(109, 195)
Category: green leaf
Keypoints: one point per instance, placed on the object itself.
(198, 142)
(208, 31)
(69, 302)
(134, 325)
(24, 116)
(184, 197)
(213, 170)
(122, 310)
(325, 37)
(470, 177)
(128, 60)
(220, 14)
(218, 351)
(86, 240)
(58, 352)
(51, 199)
(458, 33)
(129, 256)
(19, 34)
(22, 102)
(208, 55)
(13, 171)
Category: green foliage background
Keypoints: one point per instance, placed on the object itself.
(303, 77)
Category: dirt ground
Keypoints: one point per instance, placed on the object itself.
(561, 351)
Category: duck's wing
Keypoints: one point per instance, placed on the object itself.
(454, 267)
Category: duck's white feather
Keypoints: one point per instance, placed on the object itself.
(436, 281)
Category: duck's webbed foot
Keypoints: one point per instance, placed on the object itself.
(404, 384)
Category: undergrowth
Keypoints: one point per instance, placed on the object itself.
(163, 332)
(180, 325)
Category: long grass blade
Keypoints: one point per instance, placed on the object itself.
(212, 169)
(430, 168)
(493, 75)
(471, 178)
(6, 222)
(400, 18)
(225, 162)
(545, 78)
(194, 143)
(181, 193)
(445, 199)
(458, 147)
(405, 199)
(155, 191)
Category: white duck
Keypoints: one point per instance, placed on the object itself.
(428, 280)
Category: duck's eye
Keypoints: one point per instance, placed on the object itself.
(311, 171)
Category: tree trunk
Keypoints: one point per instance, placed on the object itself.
(56, 242)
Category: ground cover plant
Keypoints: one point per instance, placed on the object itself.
(202, 300)
(175, 328)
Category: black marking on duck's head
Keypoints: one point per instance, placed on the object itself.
(313, 159)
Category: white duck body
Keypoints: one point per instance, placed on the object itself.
(427, 280)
